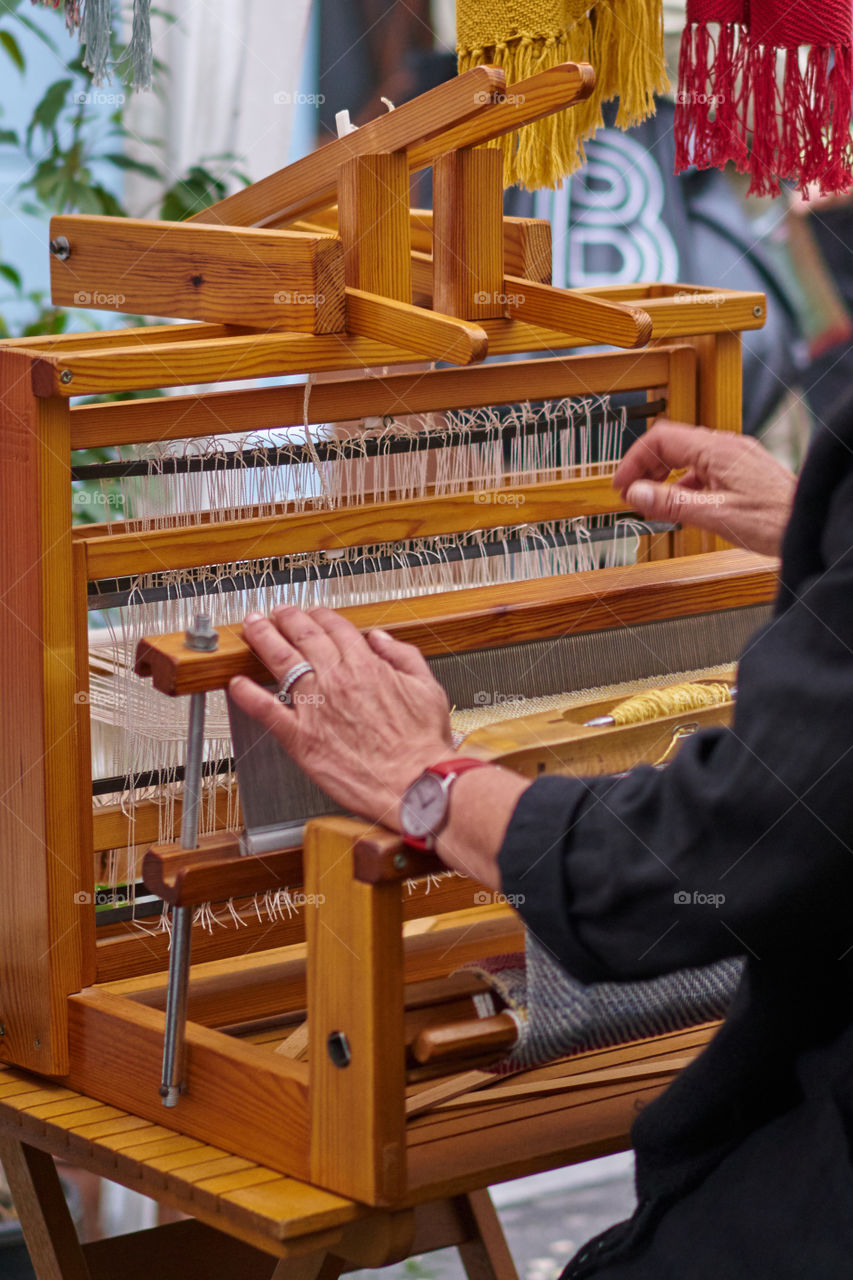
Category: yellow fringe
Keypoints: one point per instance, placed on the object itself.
(622, 39)
(672, 701)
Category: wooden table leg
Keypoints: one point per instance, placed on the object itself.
(49, 1231)
(486, 1255)
(314, 1266)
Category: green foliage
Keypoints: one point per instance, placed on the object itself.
(67, 148)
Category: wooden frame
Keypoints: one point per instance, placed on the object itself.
(86, 1006)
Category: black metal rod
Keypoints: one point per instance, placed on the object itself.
(338, 450)
(120, 782)
(116, 593)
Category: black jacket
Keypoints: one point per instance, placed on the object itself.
(745, 1164)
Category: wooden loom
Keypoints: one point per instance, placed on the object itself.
(84, 1004)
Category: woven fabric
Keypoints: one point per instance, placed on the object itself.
(558, 1016)
(622, 39)
(778, 70)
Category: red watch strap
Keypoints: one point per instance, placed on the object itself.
(460, 765)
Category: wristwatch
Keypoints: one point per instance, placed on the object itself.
(425, 806)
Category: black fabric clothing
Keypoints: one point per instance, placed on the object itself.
(745, 1164)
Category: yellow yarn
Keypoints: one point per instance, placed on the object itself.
(672, 701)
(622, 39)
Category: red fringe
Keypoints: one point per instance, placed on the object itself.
(800, 130)
(707, 130)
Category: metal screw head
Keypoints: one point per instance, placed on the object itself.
(2, 1029)
(757, 311)
(60, 248)
(37, 1043)
(400, 861)
(201, 635)
(66, 376)
(338, 1048)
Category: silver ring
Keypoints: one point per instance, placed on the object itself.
(289, 679)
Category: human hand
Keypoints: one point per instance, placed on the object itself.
(732, 486)
(364, 723)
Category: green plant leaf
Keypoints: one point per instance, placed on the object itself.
(10, 44)
(9, 137)
(120, 161)
(9, 273)
(31, 26)
(47, 110)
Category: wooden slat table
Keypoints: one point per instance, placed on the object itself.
(246, 1221)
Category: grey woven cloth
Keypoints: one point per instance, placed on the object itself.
(558, 1016)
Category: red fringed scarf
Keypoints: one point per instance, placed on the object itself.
(747, 78)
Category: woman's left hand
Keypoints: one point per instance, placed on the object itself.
(363, 723)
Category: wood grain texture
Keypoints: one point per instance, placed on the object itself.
(49, 1232)
(288, 1210)
(186, 416)
(354, 526)
(481, 617)
(272, 279)
(217, 871)
(526, 241)
(468, 259)
(311, 183)
(540, 95)
(259, 985)
(299, 191)
(252, 1103)
(42, 865)
(201, 357)
(415, 329)
(686, 309)
(572, 311)
(373, 212)
(355, 990)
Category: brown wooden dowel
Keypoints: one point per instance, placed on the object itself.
(476, 1036)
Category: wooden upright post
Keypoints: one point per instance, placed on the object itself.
(43, 884)
(373, 214)
(355, 1020)
(468, 240)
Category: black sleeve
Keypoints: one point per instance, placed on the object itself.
(744, 844)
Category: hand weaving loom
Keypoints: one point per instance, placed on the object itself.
(275, 283)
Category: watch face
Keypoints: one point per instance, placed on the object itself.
(424, 806)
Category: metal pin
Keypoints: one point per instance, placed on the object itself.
(199, 636)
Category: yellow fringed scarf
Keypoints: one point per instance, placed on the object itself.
(622, 39)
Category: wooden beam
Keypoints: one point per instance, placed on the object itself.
(311, 183)
(54, 1248)
(270, 279)
(188, 416)
(426, 333)
(352, 526)
(478, 617)
(569, 310)
(199, 357)
(252, 1103)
